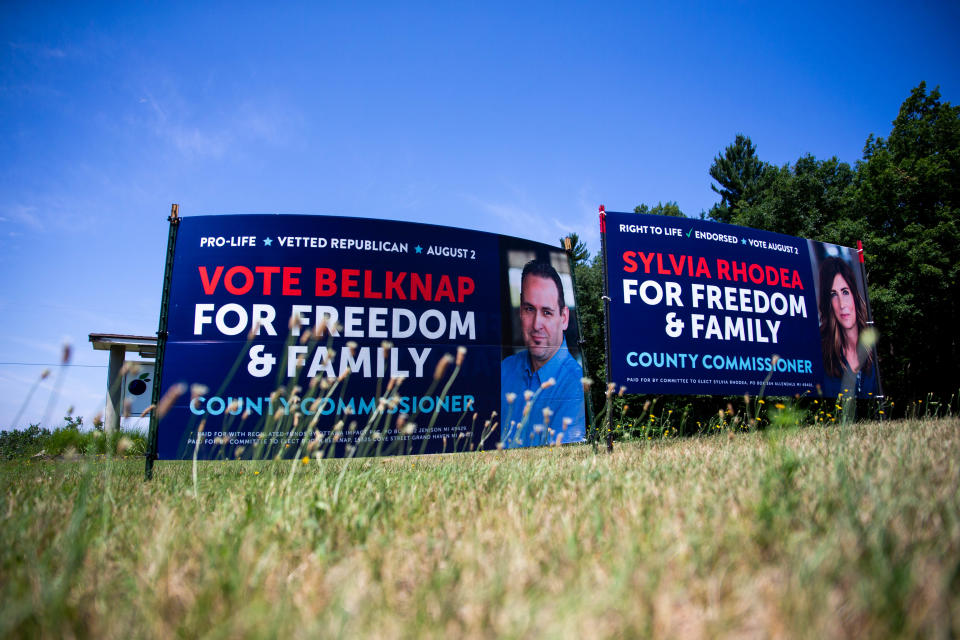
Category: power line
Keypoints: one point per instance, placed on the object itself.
(47, 364)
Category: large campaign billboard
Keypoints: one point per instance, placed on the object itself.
(294, 335)
(699, 307)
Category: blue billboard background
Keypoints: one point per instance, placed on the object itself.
(700, 307)
(404, 361)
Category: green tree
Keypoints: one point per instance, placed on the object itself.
(662, 209)
(903, 201)
(579, 253)
(907, 212)
(588, 277)
(804, 200)
(741, 176)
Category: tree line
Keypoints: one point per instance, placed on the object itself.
(901, 199)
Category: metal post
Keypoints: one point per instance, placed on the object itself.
(606, 328)
(174, 221)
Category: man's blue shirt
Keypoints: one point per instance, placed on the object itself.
(564, 398)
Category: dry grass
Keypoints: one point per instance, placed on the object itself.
(807, 533)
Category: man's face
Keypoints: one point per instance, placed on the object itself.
(541, 318)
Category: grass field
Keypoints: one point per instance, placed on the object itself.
(823, 531)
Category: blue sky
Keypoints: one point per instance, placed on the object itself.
(515, 118)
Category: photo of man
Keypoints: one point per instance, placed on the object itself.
(542, 399)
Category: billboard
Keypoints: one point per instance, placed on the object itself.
(699, 307)
(293, 335)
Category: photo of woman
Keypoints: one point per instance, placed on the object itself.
(849, 361)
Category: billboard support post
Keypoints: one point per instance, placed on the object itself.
(174, 221)
(608, 394)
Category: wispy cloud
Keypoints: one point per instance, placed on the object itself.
(525, 220)
(48, 351)
(515, 219)
(37, 50)
(33, 212)
(188, 139)
(250, 122)
(22, 216)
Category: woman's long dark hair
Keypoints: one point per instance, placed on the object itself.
(831, 333)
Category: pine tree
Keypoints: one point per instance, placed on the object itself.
(740, 174)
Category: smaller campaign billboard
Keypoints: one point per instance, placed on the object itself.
(138, 388)
(699, 307)
(293, 335)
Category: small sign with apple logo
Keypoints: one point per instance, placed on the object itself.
(138, 388)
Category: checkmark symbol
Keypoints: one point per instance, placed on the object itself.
(689, 232)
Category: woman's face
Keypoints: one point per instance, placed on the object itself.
(841, 300)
